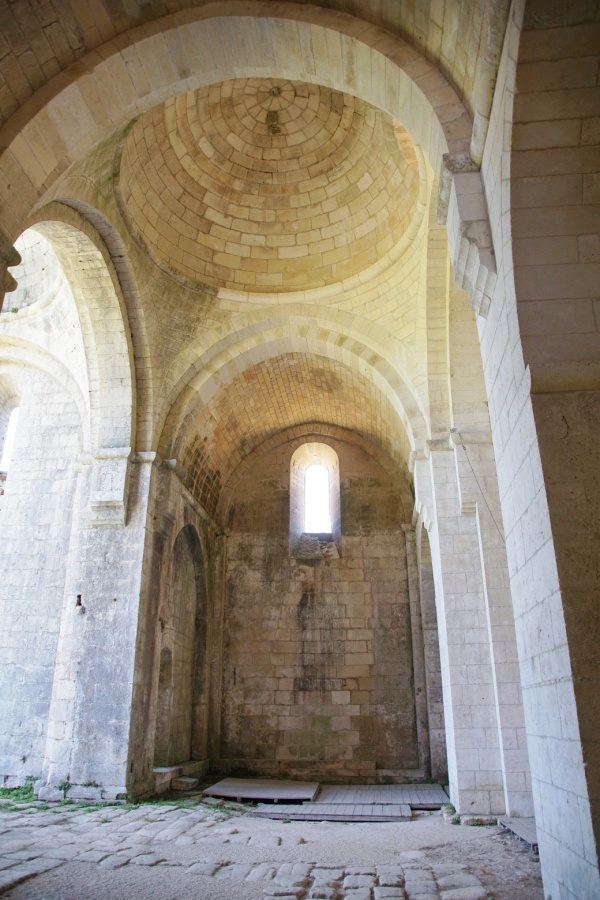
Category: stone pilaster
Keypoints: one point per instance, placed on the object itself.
(474, 759)
(90, 712)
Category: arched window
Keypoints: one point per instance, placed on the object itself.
(317, 515)
(315, 524)
(10, 426)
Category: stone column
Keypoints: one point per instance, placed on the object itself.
(480, 497)
(90, 713)
(474, 759)
(215, 649)
(420, 676)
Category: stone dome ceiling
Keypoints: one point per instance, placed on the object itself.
(266, 185)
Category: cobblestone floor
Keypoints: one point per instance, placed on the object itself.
(206, 852)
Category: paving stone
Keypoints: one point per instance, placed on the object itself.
(293, 875)
(466, 893)
(358, 894)
(25, 870)
(204, 868)
(115, 861)
(440, 869)
(262, 872)
(94, 856)
(234, 872)
(184, 841)
(421, 889)
(328, 877)
(68, 852)
(7, 863)
(358, 881)
(418, 875)
(171, 833)
(390, 876)
(457, 880)
(388, 893)
(323, 892)
(146, 859)
(20, 855)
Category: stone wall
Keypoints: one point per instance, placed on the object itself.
(35, 515)
(177, 636)
(318, 669)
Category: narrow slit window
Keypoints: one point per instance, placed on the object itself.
(317, 515)
(9, 440)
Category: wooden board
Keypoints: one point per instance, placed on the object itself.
(418, 796)
(524, 828)
(262, 789)
(337, 812)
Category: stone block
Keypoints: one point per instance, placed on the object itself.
(83, 792)
(390, 876)
(466, 893)
(184, 783)
(163, 775)
(358, 881)
(50, 793)
(478, 820)
(389, 893)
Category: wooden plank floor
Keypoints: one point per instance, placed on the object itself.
(524, 828)
(336, 812)
(418, 796)
(262, 789)
(331, 802)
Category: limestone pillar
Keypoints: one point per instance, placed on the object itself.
(90, 713)
(487, 751)
(418, 650)
(480, 497)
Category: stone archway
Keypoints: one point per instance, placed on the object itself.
(180, 730)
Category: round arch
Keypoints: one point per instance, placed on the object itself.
(191, 49)
(19, 355)
(87, 266)
(253, 345)
(180, 728)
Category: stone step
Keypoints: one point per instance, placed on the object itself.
(163, 775)
(184, 784)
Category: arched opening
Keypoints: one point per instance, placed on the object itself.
(181, 705)
(315, 518)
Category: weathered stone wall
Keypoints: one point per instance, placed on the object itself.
(318, 671)
(177, 627)
(35, 517)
